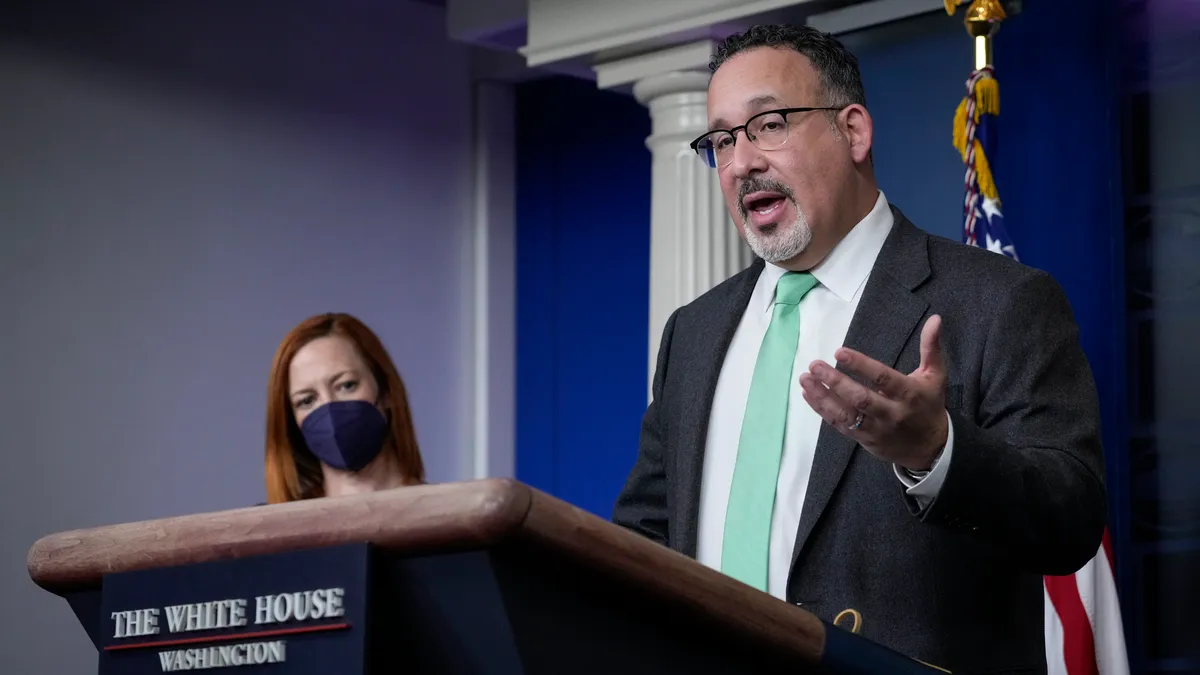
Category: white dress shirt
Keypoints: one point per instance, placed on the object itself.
(825, 315)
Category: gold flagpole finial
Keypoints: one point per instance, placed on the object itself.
(982, 20)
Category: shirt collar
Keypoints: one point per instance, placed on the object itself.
(845, 270)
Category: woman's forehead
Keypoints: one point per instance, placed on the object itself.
(325, 353)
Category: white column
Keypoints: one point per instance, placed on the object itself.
(693, 243)
(493, 295)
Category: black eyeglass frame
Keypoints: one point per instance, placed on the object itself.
(783, 112)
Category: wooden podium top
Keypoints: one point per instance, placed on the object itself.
(426, 519)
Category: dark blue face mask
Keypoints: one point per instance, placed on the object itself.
(345, 434)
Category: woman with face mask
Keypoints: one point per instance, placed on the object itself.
(338, 421)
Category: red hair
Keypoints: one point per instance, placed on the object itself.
(292, 472)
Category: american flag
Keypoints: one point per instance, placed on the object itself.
(974, 134)
(1083, 629)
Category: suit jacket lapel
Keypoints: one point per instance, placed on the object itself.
(887, 316)
(712, 343)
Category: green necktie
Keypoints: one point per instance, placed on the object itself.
(752, 495)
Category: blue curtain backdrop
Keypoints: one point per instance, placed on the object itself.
(583, 220)
(583, 279)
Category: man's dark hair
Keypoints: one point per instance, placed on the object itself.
(836, 67)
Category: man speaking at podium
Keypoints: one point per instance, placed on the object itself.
(952, 456)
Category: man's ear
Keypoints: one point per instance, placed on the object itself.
(856, 124)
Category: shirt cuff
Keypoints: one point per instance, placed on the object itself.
(924, 487)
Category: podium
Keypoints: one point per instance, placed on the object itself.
(472, 578)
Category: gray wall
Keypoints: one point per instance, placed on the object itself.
(178, 188)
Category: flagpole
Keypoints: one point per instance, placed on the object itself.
(982, 221)
(982, 20)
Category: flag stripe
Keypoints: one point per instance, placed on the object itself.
(1107, 627)
(1055, 664)
(1078, 649)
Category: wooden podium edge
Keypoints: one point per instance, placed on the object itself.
(425, 519)
(669, 574)
(449, 516)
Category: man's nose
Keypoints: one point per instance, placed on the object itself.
(748, 159)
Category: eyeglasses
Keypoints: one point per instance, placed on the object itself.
(767, 130)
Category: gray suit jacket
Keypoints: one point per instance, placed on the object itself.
(959, 583)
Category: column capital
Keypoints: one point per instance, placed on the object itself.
(690, 57)
(647, 89)
(678, 103)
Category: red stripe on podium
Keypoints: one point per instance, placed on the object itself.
(230, 638)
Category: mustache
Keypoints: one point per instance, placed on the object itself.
(751, 185)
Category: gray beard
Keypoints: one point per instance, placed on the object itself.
(784, 243)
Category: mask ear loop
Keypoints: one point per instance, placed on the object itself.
(381, 403)
(387, 417)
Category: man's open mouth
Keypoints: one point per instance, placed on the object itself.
(762, 203)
